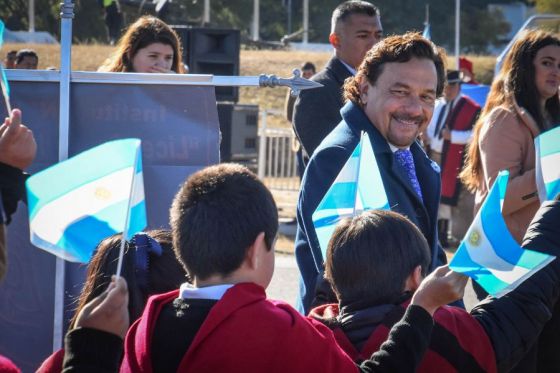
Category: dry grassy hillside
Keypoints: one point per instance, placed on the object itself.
(253, 62)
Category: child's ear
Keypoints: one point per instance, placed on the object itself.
(256, 250)
(414, 279)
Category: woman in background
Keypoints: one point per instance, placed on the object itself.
(149, 45)
(522, 103)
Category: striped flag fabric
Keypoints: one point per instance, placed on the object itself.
(3, 79)
(357, 188)
(489, 254)
(76, 203)
(547, 170)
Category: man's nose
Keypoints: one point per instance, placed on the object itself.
(414, 106)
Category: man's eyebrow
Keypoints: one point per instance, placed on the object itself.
(400, 85)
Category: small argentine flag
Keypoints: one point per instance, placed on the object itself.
(547, 147)
(76, 203)
(358, 187)
(489, 254)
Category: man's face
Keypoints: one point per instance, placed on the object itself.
(307, 73)
(451, 91)
(28, 63)
(355, 36)
(10, 61)
(401, 103)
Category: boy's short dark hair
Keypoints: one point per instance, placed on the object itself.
(25, 53)
(216, 215)
(370, 256)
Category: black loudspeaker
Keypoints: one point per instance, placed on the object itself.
(212, 51)
(239, 133)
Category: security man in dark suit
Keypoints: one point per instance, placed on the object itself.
(355, 28)
(391, 98)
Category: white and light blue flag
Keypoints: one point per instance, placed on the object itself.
(489, 254)
(76, 203)
(3, 79)
(427, 31)
(358, 187)
(547, 170)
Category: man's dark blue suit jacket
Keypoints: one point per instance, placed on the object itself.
(324, 166)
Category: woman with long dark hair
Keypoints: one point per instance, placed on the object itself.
(523, 102)
(149, 45)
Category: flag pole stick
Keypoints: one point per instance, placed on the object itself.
(125, 229)
(358, 172)
(66, 15)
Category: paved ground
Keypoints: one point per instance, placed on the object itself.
(284, 285)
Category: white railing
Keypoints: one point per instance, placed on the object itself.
(277, 163)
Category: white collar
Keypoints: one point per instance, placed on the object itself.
(394, 148)
(350, 68)
(215, 292)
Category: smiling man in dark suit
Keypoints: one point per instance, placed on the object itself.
(355, 28)
(391, 98)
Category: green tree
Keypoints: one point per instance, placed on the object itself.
(88, 25)
(548, 6)
(14, 13)
(489, 26)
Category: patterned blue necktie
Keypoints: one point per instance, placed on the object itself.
(404, 157)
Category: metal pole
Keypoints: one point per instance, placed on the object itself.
(457, 31)
(66, 15)
(206, 15)
(31, 15)
(262, 147)
(256, 20)
(305, 21)
(289, 17)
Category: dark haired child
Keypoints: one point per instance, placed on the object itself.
(375, 262)
(224, 222)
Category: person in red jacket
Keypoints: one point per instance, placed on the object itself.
(375, 262)
(224, 223)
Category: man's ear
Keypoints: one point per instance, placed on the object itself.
(414, 279)
(255, 251)
(334, 40)
(363, 86)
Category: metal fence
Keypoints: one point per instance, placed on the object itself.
(277, 163)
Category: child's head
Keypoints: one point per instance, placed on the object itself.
(373, 255)
(224, 222)
(149, 267)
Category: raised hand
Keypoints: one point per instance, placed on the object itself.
(17, 144)
(439, 288)
(109, 311)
